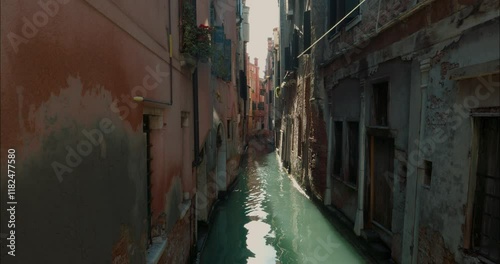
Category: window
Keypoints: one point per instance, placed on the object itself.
(288, 59)
(381, 168)
(261, 106)
(299, 141)
(353, 143)
(332, 13)
(229, 128)
(486, 219)
(380, 104)
(427, 173)
(212, 14)
(337, 162)
(295, 49)
(184, 14)
(307, 30)
(350, 5)
(338, 9)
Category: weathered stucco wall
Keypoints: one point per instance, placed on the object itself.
(457, 38)
(77, 73)
(443, 203)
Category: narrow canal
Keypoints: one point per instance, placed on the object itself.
(269, 219)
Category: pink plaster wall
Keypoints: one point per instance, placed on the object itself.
(65, 78)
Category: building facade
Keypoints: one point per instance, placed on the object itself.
(269, 85)
(387, 116)
(256, 113)
(114, 127)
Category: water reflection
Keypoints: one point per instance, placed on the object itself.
(266, 219)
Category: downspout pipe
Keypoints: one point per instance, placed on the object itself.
(245, 122)
(359, 223)
(171, 49)
(196, 120)
(196, 116)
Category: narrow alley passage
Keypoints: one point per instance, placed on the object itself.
(268, 218)
(250, 131)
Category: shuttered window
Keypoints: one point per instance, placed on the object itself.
(221, 56)
(295, 49)
(307, 30)
(288, 59)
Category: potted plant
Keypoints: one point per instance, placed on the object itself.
(204, 42)
(196, 40)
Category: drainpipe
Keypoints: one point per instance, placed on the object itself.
(328, 191)
(245, 122)
(171, 49)
(359, 223)
(196, 161)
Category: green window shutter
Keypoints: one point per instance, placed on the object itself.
(295, 49)
(307, 30)
(288, 59)
(218, 51)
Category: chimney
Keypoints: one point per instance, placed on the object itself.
(256, 61)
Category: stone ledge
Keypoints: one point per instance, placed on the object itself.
(184, 207)
(155, 251)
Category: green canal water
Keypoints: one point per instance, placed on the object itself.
(269, 219)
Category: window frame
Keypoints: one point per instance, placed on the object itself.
(356, 149)
(340, 12)
(470, 216)
(373, 104)
(340, 174)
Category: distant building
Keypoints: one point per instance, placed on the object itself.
(256, 113)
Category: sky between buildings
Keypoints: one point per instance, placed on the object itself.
(264, 16)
